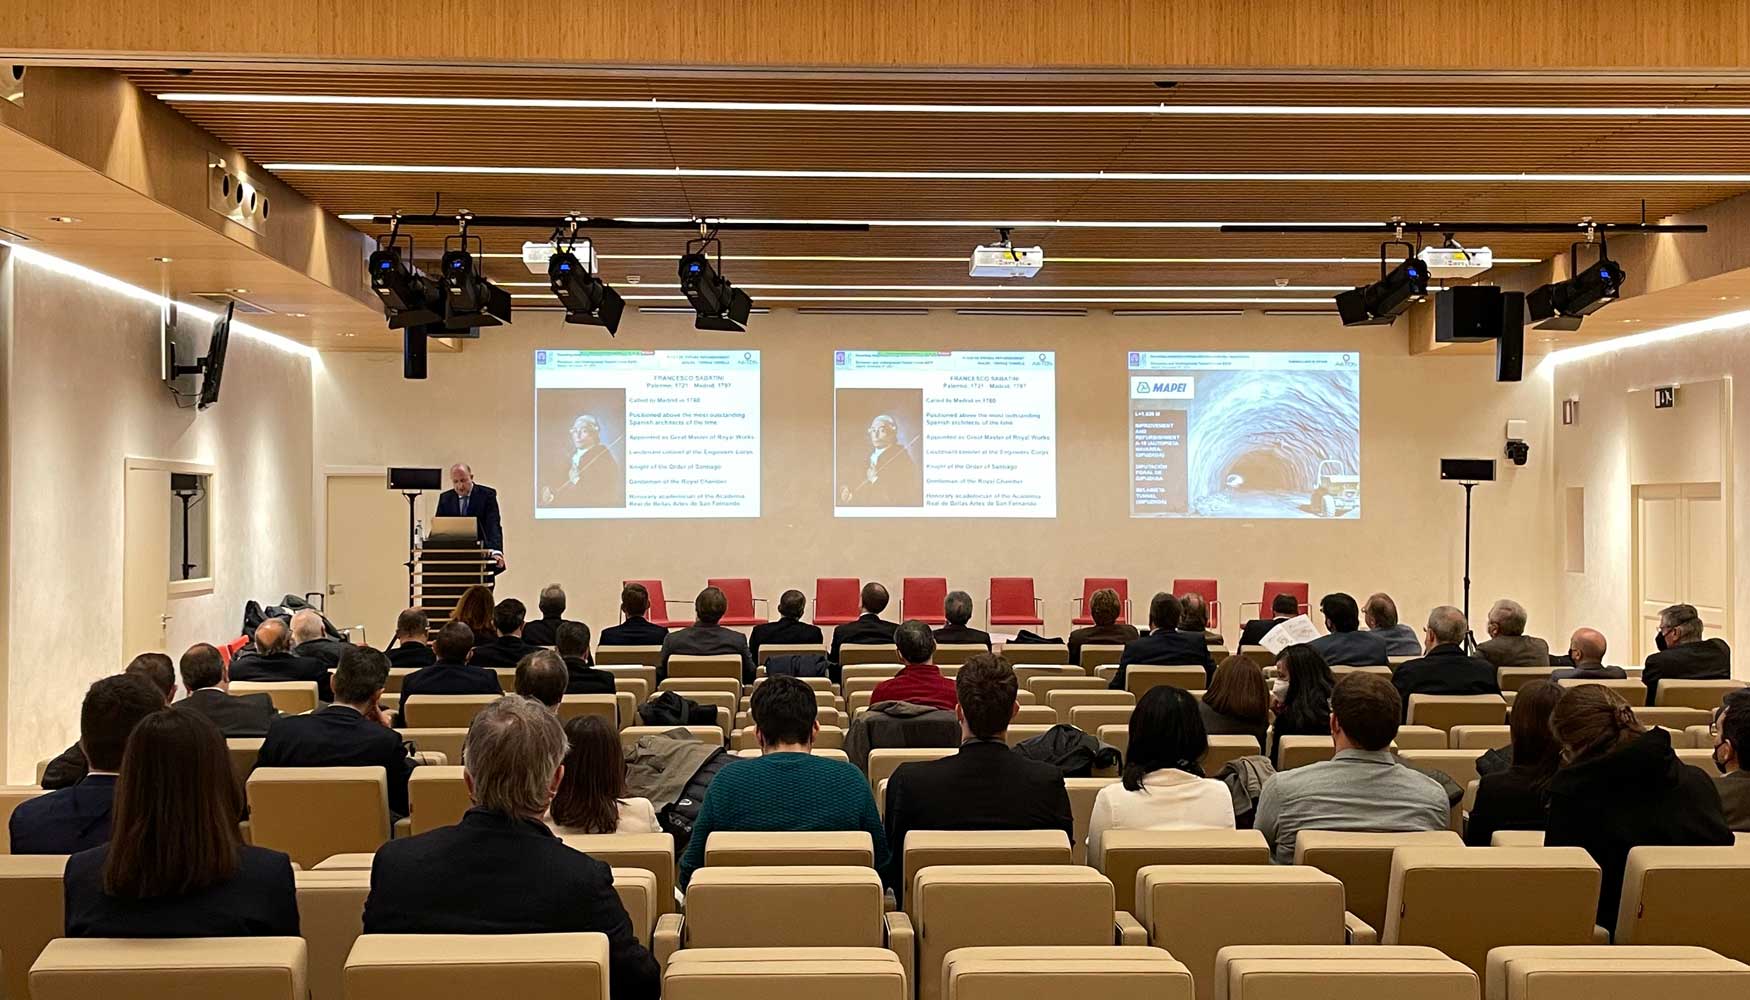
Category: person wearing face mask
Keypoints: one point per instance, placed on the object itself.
(1731, 733)
(1683, 653)
(1586, 650)
(1301, 696)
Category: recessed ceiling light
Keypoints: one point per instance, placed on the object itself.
(297, 315)
(238, 291)
(163, 260)
(349, 335)
(64, 219)
(879, 259)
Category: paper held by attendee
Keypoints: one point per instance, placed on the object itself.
(1297, 629)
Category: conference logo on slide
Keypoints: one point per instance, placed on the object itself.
(1177, 387)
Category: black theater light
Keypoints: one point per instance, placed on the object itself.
(1380, 303)
(587, 299)
(717, 305)
(1562, 305)
(409, 297)
(470, 301)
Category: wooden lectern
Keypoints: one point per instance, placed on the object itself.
(449, 562)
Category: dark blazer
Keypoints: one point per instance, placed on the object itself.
(986, 786)
(449, 678)
(1506, 800)
(545, 632)
(783, 632)
(960, 635)
(1217, 724)
(503, 651)
(1255, 630)
(325, 649)
(1352, 649)
(1709, 659)
(705, 640)
(259, 901)
(869, 630)
(1515, 651)
(338, 736)
(1164, 648)
(66, 821)
(483, 508)
(633, 632)
(585, 678)
(1115, 634)
(1445, 670)
(493, 874)
(283, 667)
(242, 716)
(66, 770)
(1599, 672)
(413, 655)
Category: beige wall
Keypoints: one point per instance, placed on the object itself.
(83, 396)
(478, 408)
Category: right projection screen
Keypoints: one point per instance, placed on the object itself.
(1268, 434)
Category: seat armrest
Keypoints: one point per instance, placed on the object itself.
(902, 941)
(1357, 930)
(403, 827)
(430, 758)
(1600, 935)
(666, 939)
(1128, 930)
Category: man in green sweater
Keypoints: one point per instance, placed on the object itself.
(786, 787)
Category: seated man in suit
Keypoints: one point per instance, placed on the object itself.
(582, 677)
(635, 630)
(1683, 653)
(788, 630)
(541, 676)
(545, 632)
(919, 681)
(957, 608)
(274, 661)
(1586, 651)
(986, 786)
(412, 647)
(1104, 607)
(707, 638)
(1282, 608)
(452, 673)
(1381, 613)
(1194, 617)
(1446, 668)
(508, 647)
(77, 818)
(245, 716)
(501, 870)
(70, 768)
(352, 732)
(870, 629)
(1164, 645)
(310, 639)
(1508, 645)
(1345, 644)
(1731, 753)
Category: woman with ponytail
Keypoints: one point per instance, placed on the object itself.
(1162, 786)
(1621, 786)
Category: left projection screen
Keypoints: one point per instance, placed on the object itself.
(627, 434)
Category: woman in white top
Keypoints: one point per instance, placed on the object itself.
(592, 793)
(1162, 787)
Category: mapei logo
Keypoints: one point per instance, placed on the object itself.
(1163, 388)
(540, 357)
(838, 357)
(1135, 358)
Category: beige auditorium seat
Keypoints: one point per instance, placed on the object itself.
(879, 671)
(1443, 711)
(445, 711)
(445, 741)
(1097, 655)
(883, 761)
(1631, 689)
(31, 914)
(243, 752)
(1036, 653)
(653, 852)
(331, 905)
(636, 688)
(1082, 793)
(704, 734)
(1226, 747)
(1093, 718)
(1049, 973)
(436, 797)
(742, 848)
(259, 968)
(1621, 972)
(1697, 757)
(1034, 715)
(952, 654)
(1124, 853)
(1459, 765)
(1466, 900)
(11, 797)
(312, 813)
(638, 891)
(1299, 751)
(1028, 672)
(762, 973)
(857, 654)
(772, 649)
(1259, 655)
(603, 706)
(1516, 838)
(1671, 895)
(346, 863)
(1420, 738)
(1691, 736)
(1673, 716)
(629, 656)
(1117, 737)
(1303, 972)
(1193, 911)
(399, 674)
(1481, 738)
(1342, 670)
(1018, 732)
(645, 672)
(471, 966)
(1064, 701)
(1362, 862)
(290, 697)
(691, 685)
(1140, 678)
(1514, 678)
(1705, 695)
(927, 848)
(823, 686)
(1041, 686)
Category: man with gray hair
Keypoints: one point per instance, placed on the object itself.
(545, 630)
(273, 660)
(957, 610)
(1446, 668)
(1508, 645)
(1683, 653)
(310, 638)
(1194, 618)
(501, 870)
(919, 681)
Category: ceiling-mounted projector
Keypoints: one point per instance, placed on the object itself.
(1005, 261)
(1457, 262)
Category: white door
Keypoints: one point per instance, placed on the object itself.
(1682, 538)
(145, 561)
(367, 555)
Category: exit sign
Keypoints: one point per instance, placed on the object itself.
(1664, 397)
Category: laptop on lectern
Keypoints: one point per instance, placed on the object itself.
(454, 530)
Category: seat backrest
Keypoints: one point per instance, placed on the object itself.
(1661, 888)
(742, 848)
(454, 966)
(1141, 677)
(638, 890)
(630, 656)
(883, 761)
(31, 913)
(603, 706)
(1533, 972)
(1041, 685)
(261, 968)
(312, 813)
(1514, 678)
(761, 973)
(869, 652)
(1422, 738)
(1466, 900)
(1277, 972)
(1207, 589)
(717, 665)
(653, 852)
(331, 905)
(1443, 711)
(446, 741)
(1362, 862)
(1118, 737)
(922, 597)
(1082, 793)
(809, 906)
(704, 734)
(445, 711)
(290, 697)
(1095, 655)
(837, 599)
(1011, 596)
(1126, 852)
(1064, 699)
(1480, 738)
(1702, 694)
(737, 592)
(1299, 751)
(1224, 747)
(924, 848)
(1297, 590)
(1024, 655)
(11, 797)
(1673, 717)
(1093, 718)
(436, 796)
(963, 906)
(1106, 972)
(243, 751)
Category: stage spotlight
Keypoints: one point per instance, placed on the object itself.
(588, 300)
(1561, 305)
(470, 301)
(409, 297)
(1381, 302)
(717, 305)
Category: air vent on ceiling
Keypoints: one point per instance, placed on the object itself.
(12, 83)
(222, 299)
(231, 194)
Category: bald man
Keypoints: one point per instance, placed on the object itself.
(467, 498)
(273, 660)
(1586, 649)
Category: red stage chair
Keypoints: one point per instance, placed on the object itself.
(922, 597)
(1093, 583)
(1012, 602)
(230, 649)
(658, 614)
(837, 599)
(739, 590)
(1274, 587)
(1206, 588)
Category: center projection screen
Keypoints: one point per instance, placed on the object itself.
(1251, 435)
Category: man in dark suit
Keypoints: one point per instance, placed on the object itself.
(467, 498)
(352, 732)
(70, 767)
(582, 677)
(77, 818)
(1446, 668)
(1282, 608)
(274, 661)
(240, 716)
(707, 638)
(501, 870)
(545, 630)
(1104, 606)
(789, 629)
(635, 630)
(1508, 645)
(1346, 645)
(986, 786)
(412, 648)
(1586, 652)
(452, 673)
(310, 639)
(508, 647)
(1164, 645)
(871, 628)
(958, 610)
(1194, 618)
(1683, 653)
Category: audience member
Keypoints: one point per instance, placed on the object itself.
(634, 629)
(451, 674)
(273, 661)
(786, 787)
(1621, 787)
(986, 786)
(474, 609)
(501, 870)
(69, 767)
(177, 866)
(1446, 669)
(870, 628)
(1586, 649)
(1363, 787)
(1516, 799)
(1300, 695)
(789, 629)
(592, 793)
(919, 681)
(1194, 618)
(310, 638)
(1381, 614)
(157, 670)
(352, 732)
(1731, 733)
(1164, 645)
(545, 630)
(1162, 786)
(571, 642)
(412, 647)
(1282, 608)
(1508, 645)
(240, 716)
(1237, 702)
(1104, 607)
(77, 818)
(957, 609)
(509, 647)
(1683, 653)
(1345, 644)
(542, 676)
(705, 637)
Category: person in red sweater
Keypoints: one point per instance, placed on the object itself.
(918, 682)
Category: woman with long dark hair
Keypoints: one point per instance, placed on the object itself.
(1515, 799)
(1238, 701)
(474, 609)
(592, 794)
(1301, 696)
(1162, 786)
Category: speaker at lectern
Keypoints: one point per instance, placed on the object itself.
(447, 563)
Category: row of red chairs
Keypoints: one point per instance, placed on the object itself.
(1013, 600)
